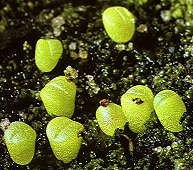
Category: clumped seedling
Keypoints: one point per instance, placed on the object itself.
(110, 117)
(20, 141)
(119, 23)
(137, 105)
(47, 54)
(169, 108)
(64, 137)
(58, 96)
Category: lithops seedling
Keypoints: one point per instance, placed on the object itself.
(64, 137)
(110, 117)
(137, 105)
(47, 54)
(58, 96)
(119, 23)
(169, 108)
(20, 141)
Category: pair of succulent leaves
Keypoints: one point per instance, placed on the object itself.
(62, 133)
(118, 23)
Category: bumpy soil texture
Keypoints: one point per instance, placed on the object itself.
(160, 55)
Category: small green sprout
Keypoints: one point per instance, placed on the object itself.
(20, 141)
(119, 23)
(169, 108)
(137, 105)
(58, 96)
(47, 54)
(64, 137)
(110, 117)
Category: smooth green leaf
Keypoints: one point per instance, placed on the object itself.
(119, 23)
(47, 54)
(169, 108)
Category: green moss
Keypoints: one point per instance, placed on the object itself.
(182, 11)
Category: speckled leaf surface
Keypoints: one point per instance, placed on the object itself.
(20, 141)
(137, 114)
(63, 135)
(169, 108)
(119, 23)
(110, 118)
(58, 96)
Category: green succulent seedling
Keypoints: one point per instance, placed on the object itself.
(110, 117)
(58, 96)
(137, 105)
(119, 23)
(47, 54)
(169, 108)
(64, 137)
(20, 141)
